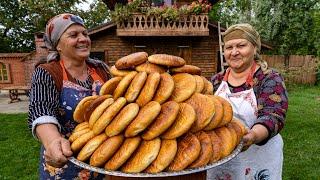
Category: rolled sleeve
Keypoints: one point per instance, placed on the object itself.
(44, 120)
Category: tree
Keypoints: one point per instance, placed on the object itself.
(291, 26)
(20, 19)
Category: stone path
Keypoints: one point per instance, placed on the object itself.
(16, 107)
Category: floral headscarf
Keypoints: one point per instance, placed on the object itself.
(55, 28)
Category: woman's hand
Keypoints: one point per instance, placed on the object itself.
(57, 148)
(57, 152)
(255, 135)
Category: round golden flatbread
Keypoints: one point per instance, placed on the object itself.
(185, 85)
(165, 88)
(109, 86)
(131, 60)
(166, 60)
(190, 69)
(150, 68)
(204, 108)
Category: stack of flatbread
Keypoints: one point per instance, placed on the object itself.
(156, 114)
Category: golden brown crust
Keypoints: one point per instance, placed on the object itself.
(76, 134)
(95, 115)
(149, 89)
(123, 85)
(106, 150)
(150, 68)
(168, 114)
(186, 117)
(237, 129)
(143, 157)
(188, 151)
(216, 146)
(124, 152)
(93, 105)
(190, 69)
(208, 88)
(108, 115)
(122, 120)
(204, 108)
(131, 60)
(165, 88)
(200, 83)
(166, 60)
(185, 85)
(218, 115)
(233, 135)
(109, 86)
(146, 116)
(81, 141)
(117, 72)
(227, 111)
(167, 152)
(78, 114)
(241, 125)
(135, 86)
(81, 126)
(205, 152)
(227, 140)
(90, 147)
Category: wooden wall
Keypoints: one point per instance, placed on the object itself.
(295, 69)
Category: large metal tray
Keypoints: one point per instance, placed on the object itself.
(234, 153)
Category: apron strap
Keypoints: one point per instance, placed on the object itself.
(249, 80)
(92, 72)
(64, 73)
(95, 76)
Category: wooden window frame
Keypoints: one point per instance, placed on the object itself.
(5, 66)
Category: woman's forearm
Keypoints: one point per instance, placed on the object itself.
(47, 133)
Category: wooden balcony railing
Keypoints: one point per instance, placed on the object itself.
(143, 25)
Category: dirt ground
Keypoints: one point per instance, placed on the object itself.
(15, 107)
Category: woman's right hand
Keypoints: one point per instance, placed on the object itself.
(57, 152)
(57, 148)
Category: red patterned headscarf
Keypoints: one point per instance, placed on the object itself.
(55, 27)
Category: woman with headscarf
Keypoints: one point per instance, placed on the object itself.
(58, 85)
(259, 99)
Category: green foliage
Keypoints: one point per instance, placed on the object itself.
(291, 26)
(21, 19)
(168, 13)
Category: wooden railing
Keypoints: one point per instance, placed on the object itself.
(143, 25)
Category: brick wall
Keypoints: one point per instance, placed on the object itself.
(16, 68)
(39, 54)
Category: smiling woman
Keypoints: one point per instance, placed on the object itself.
(259, 99)
(67, 76)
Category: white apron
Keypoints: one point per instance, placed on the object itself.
(258, 162)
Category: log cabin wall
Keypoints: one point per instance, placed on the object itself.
(198, 51)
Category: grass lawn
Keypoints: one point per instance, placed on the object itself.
(19, 152)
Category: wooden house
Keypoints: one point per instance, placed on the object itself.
(195, 39)
(201, 51)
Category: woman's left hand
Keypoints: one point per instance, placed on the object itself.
(255, 135)
(249, 139)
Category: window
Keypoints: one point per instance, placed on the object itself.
(4, 73)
